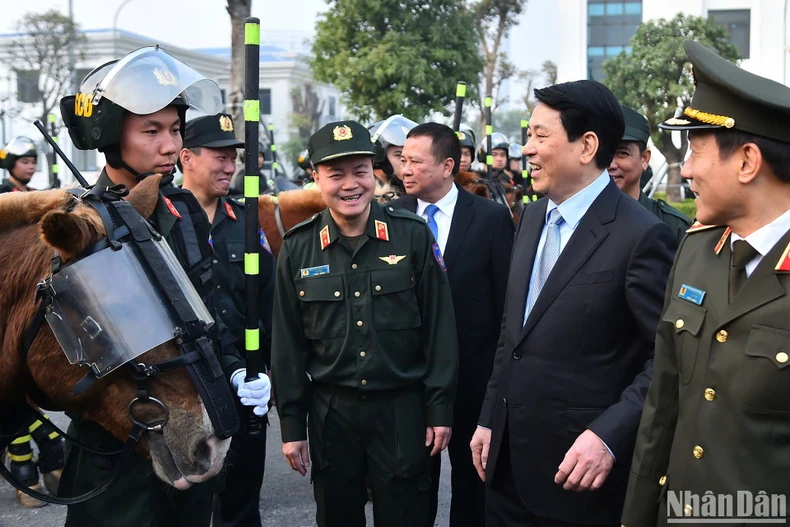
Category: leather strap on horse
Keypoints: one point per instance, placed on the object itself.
(279, 219)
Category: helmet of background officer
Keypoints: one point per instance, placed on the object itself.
(631, 158)
(467, 138)
(342, 157)
(261, 154)
(304, 161)
(499, 149)
(389, 137)
(514, 154)
(208, 159)
(19, 157)
(431, 158)
(132, 109)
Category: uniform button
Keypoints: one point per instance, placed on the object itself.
(356, 294)
(504, 402)
(219, 287)
(353, 266)
(301, 293)
(378, 288)
(412, 279)
(516, 355)
(233, 256)
(698, 452)
(364, 382)
(721, 336)
(679, 323)
(391, 209)
(662, 480)
(688, 510)
(224, 311)
(781, 357)
(337, 294)
(359, 323)
(710, 394)
(362, 354)
(216, 262)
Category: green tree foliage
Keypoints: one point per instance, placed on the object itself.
(655, 79)
(397, 57)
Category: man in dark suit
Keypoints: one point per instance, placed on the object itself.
(475, 237)
(574, 357)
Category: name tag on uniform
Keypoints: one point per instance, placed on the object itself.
(315, 271)
(692, 294)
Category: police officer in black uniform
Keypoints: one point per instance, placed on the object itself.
(467, 138)
(137, 123)
(19, 157)
(207, 161)
(362, 306)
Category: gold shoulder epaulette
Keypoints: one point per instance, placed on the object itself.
(697, 226)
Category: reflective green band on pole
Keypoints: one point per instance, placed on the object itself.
(489, 129)
(252, 111)
(271, 127)
(276, 165)
(489, 160)
(55, 168)
(489, 102)
(534, 198)
(274, 148)
(251, 263)
(525, 200)
(252, 34)
(525, 173)
(524, 123)
(252, 339)
(51, 118)
(460, 90)
(54, 139)
(251, 186)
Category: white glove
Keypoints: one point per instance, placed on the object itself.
(254, 393)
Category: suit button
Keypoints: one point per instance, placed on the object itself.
(698, 452)
(516, 355)
(781, 357)
(710, 394)
(679, 323)
(721, 336)
(662, 481)
(688, 510)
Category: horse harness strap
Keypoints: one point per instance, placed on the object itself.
(279, 219)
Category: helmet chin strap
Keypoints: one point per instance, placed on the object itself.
(166, 178)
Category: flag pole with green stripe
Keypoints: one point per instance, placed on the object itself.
(460, 95)
(489, 140)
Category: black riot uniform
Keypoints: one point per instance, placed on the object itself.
(138, 498)
(370, 320)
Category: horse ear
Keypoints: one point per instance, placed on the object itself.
(481, 190)
(67, 232)
(145, 194)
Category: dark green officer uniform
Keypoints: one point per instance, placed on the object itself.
(717, 415)
(152, 502)
(9, 186)
(370, 320)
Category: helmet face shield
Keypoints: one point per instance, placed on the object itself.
(393, 131)
(21, 147)
(149, 79)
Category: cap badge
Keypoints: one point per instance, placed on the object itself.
(165, 77)
(225, 124)
(342, 133)
(2, 154)
(461, 136)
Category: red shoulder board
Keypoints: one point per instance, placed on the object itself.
(697, 226)
(784, 262)
(324, 235)
(172, 208)
(229, 211)
(382, 233)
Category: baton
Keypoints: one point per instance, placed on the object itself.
(460, 95)
(252, 239)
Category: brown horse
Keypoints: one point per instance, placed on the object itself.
(32, 225)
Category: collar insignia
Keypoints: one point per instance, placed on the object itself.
(172, 208)
(784, 262)
(382, 233)
(229, 211)
(722, 240)
(324, 237)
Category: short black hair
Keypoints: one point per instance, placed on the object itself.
(776, 154)
(587, 106)
(444, 142)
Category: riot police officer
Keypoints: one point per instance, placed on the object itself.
(19, 157)
(389, 136)
(132, 110)
(467, 138)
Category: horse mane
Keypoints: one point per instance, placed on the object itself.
(18, 209)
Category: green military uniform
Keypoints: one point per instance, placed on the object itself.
(370, 320)
(8, 186)
(717, 414)
(665, 212)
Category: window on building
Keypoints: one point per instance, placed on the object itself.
(265, 97)
(332, 106)
(738, 23)
(610, 26)
(27, 86)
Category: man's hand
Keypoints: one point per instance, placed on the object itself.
(479, 445)
(297, 455)
(439, 436)
(586, 464)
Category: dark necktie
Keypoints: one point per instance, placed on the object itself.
(742, 253)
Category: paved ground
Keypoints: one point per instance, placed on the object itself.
(286, 498)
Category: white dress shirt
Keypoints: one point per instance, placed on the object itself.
(443, 218)
(764, 239)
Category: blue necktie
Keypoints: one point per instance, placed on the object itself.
(551, 251)
(431, 211)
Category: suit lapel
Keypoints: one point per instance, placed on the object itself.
(462, 218)
(523, 260)
(585, 240)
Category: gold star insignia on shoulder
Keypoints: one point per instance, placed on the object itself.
(392, 259)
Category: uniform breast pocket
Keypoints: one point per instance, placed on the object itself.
(765, 381)
(233, 253)
(394, 300)
(323, 306)
(687, 320)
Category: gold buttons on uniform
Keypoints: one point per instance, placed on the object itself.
(364, 382)
(362, 354)
(359, 323)
(721, 336)
(662, 480)
(378, 288)
(710, 394)
(354, 266)
(698, 452)
(679, 323)
(337, 294)
(781, 357)
(356, 294)
(688, 510)
(301, 293)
